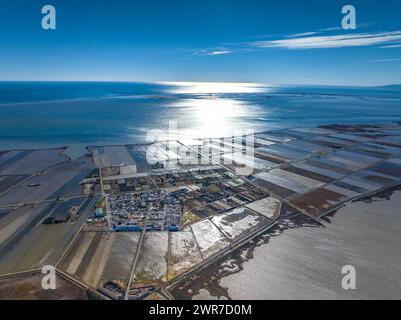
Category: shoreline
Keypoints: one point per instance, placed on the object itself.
(72, 150)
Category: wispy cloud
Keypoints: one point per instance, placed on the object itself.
(216, 52)
(392, 46)
(303, 34)
(339, 28)
(330, 29)
(387, 60)
(320, 39)
(332, 41)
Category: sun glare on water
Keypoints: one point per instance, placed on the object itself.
(215, 87)
(211, 113)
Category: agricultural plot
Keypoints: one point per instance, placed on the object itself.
(208, 237)
(352, 161)
(297, 134)
(30, 161)
(184, 252)
(8, 182)
(29, 287)
(284, 180)
(61, 181)
(152, 262)
(310, 146)
(287, 152)
(274, 137)
(330, 165)
(99, 257)
(28, 243)
(268, 207)
(332, 142)
(237, 222)
(317, 201)
(315, 130)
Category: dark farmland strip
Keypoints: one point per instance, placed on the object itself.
(3, 152)
(19, 156)
(348, 186)
(86, 203)
(139, 156)
(376, 154)
(309, 174)
(5, 212)
(11, 181)
(319, 200)
(286, 210)
(270, 158)
(11, 242)
(332, 145)
(83, 266)
(66, 188)
(273, 188)
(60, 212)
(388, 168)
(379, 179)
(328, 166)
(298, 134)
(391, 144)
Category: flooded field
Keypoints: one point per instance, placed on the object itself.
(152, 263)
(20, 162)
(101, 256)
(236, 222)
(184, 252)
(268, 207)
(27, 243)
(43, 205)
(210, 240)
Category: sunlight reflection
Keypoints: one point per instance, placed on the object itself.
(213, 116)
(216, 87)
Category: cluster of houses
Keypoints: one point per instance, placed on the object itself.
(153, 211)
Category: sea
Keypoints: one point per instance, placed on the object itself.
(78, 114)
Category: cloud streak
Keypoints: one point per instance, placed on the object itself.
(393, 46)
(331, 41)
(216, 52)
(297, 35)
(387, 60)
(309, 40)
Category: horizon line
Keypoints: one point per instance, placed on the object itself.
(211, 83)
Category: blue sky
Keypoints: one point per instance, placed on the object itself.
(278, 42)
